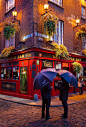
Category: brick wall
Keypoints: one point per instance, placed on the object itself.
(30, 15)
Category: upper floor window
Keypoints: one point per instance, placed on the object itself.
(58, 36)
(84, 42)
(59, 2)
(10, 42)
(9, 4)
(83, 12)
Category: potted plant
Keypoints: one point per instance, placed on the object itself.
(77, 67)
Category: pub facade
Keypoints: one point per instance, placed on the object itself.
(20, 68)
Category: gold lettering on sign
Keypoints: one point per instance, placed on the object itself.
(47, 64)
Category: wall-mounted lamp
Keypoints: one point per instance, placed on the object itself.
(77, 21)
(46, 7)
(14, 13)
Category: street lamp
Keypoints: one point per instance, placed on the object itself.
(14, 13)
(46, 6)
(77, 21)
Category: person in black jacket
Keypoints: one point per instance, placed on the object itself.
(46, 99)
(64, 87)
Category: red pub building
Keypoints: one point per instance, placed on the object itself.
(32, 52)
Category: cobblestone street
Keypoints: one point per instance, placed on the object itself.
(18, 115)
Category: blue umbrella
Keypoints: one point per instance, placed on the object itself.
(44, 77)
(69, 77)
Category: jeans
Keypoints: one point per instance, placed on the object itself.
(47, 103)
(64, 103)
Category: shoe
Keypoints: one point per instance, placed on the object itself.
(48, 118)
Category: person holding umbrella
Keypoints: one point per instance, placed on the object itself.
(64, 88)
(46, 99)
(42, 81)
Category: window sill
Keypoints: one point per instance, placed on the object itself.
(9, 11)
(56, 4)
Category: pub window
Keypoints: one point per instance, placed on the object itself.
(8, 64)
(58, 36)
(58, 2)
(9, 4)
(3, 73)
(83, 12)
(9, 73)
(15, 63)
(16, 73)
(4, 64)
(84, 42)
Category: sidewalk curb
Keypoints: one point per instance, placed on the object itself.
(39, 105)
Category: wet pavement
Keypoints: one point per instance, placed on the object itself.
(13, 114)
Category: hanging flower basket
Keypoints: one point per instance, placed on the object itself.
(81, 33)
(6, 51)
(61, 51)
(9, 28)
(9, 31)
(49, 26)
(77, 67)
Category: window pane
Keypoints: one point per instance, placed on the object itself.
(15, 63)
(16, 73)
(3, 73)
(8, 64)
(9, 73)
(83, 12)
(58, 36)
(4, 64)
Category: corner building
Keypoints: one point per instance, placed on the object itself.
(32, 52)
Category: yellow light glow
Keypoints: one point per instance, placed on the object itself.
(14, 13)
(46, 6)
(77, 21)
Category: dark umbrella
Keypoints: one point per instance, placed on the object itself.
(69, 77)
(44, 77)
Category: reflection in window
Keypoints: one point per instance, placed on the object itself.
(16, 73)
(83, 12)
(4, 64)
(8, 64)
(15, 63)
(9, 73)
(3, 73)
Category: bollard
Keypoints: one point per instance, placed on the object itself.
(35, 97)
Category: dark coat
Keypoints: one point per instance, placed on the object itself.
(45, 92)
(63, 87)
